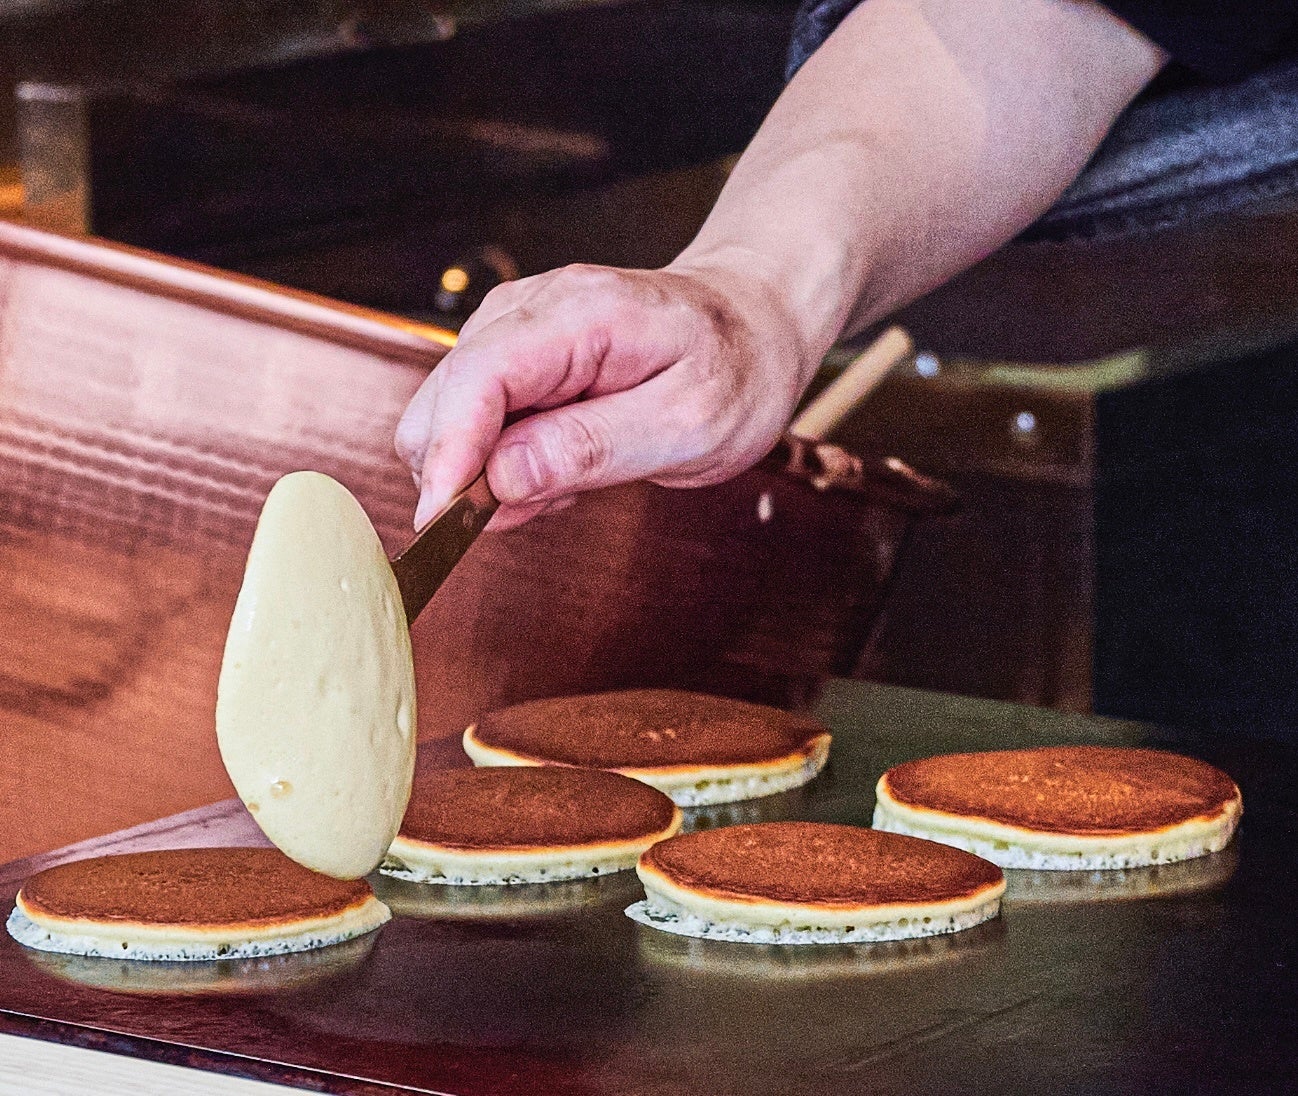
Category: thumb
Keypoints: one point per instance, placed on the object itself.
(551, 454)
(596, 443)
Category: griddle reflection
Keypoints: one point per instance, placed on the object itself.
(556, 983)
(763, 962)
(262, 975)
(766, 808)
(515, 902)
(1199, 875)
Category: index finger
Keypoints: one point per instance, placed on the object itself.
(518, 361)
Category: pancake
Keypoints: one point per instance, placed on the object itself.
(190, 904)
(1064, 807)
(812, 883)
(698, 749)
(497, 826)
(315, 709)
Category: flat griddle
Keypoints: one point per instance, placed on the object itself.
(1175, 979)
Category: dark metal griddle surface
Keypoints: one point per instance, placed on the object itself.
(1179, 979)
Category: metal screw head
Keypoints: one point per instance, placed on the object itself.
(927, 365)
(1024, 430)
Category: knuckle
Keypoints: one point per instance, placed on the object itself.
(496, 303)
(564, 280)
(584, 279)
(505, 299)
(712, 393)
(592, 301)
(409, 439)
(463, 369)
(574, 272)
(497, 298)
(694, 412)
(578, 446)
(473, 325)
(710, 377)
(524, 314)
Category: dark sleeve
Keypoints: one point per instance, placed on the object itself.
(1219, 39)
(816, 20)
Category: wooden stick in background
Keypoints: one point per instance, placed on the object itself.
(822, 416)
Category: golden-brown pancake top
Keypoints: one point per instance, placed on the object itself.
(190, 887)
(525, 807)
(818, 863)
(648, 729)
(1084, 790)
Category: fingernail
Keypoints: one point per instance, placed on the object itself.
(434, 491)
(426, 510)
(517, 473)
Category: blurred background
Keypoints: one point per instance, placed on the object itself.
(1115, 408)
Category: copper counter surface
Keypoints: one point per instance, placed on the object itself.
(146, 408)
(1171, 979)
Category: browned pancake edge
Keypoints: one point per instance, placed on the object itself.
(1085, 791)
(533, 809)
(651, 731)
(820, 864)
(190, 888)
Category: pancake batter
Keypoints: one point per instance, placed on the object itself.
(315, 712)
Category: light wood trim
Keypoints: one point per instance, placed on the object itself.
(31, 1067)
(823, 415)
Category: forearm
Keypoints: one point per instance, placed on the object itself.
(920, 137)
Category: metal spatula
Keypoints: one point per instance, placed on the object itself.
(425, 563)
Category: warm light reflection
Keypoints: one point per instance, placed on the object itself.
(455, 280)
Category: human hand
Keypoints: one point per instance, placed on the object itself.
(684, 376)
